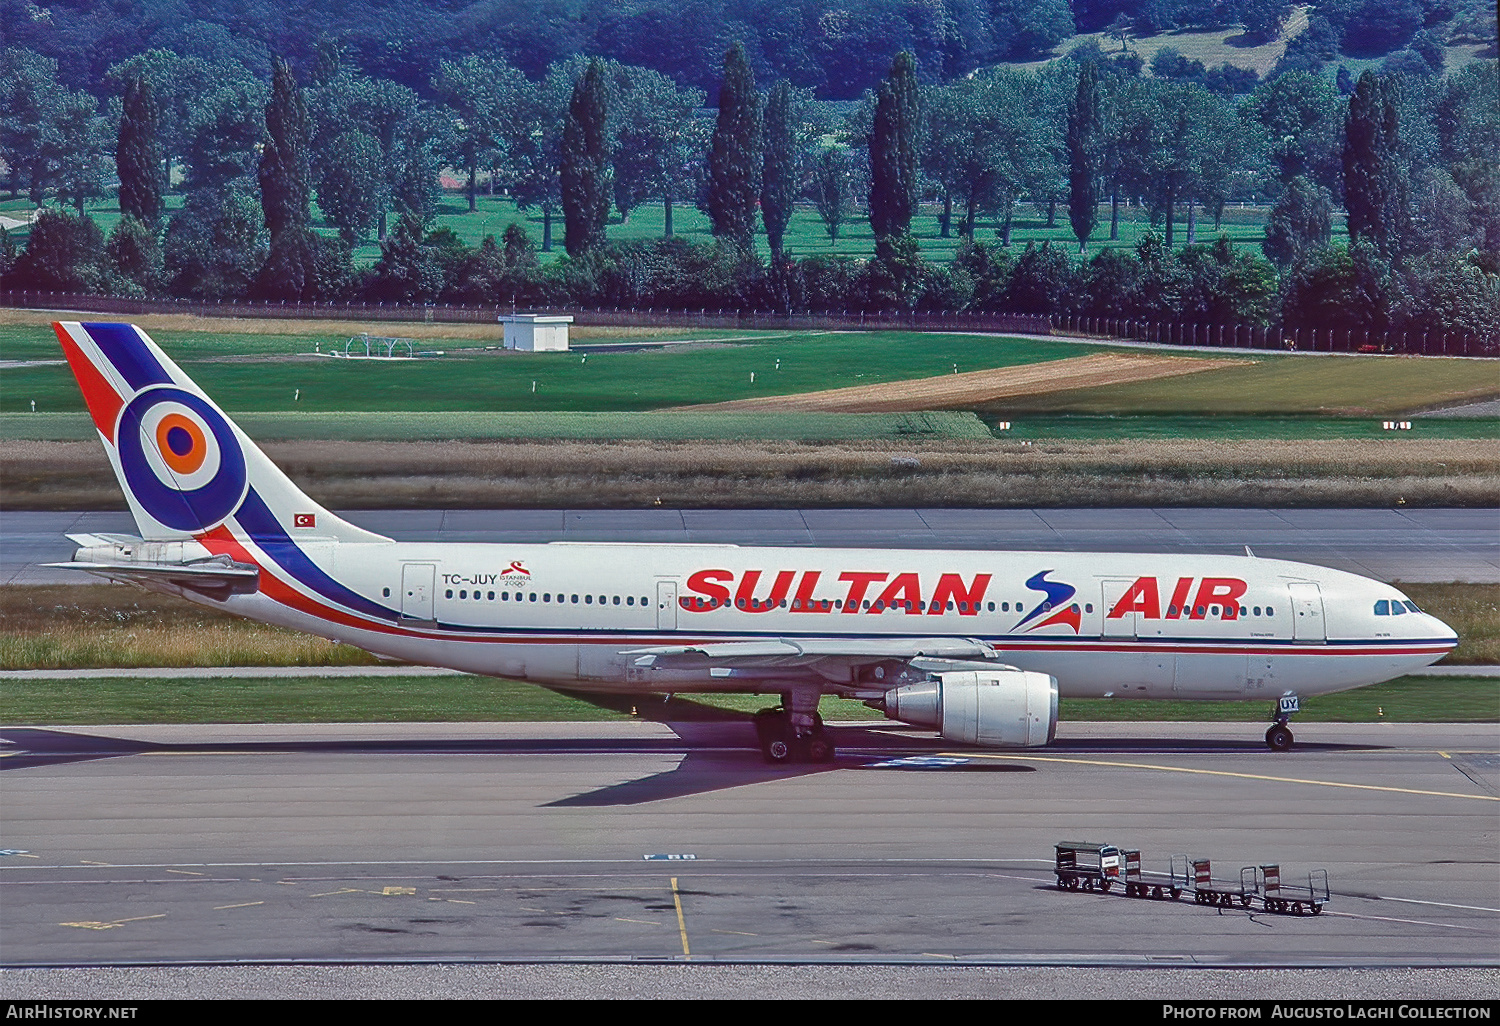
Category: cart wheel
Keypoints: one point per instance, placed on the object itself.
(1176, 893)
(1244, 901)
(1316, 908)
(1297, 908)
(1156, 893)
(1072, 883)
(1105, 885)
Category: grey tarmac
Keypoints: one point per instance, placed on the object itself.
(617, 843)
(1415, 545)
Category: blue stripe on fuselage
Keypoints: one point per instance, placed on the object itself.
(258, 520)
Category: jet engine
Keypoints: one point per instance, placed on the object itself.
(994, 708)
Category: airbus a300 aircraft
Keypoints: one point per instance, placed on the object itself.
(975, 644)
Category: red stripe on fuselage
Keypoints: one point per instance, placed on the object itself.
(98, 394)
(221, 541)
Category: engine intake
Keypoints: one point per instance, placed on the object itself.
(993, 708)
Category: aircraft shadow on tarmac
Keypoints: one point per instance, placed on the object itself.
(715, 756)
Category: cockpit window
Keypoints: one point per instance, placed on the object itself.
(1409, 604)
(1383, 608)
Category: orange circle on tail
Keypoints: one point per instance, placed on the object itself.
(181, 443)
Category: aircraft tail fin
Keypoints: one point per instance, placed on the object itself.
(186, 469)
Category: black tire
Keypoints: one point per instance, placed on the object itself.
(1279, 738)
(776, 748)
(1176, 893)
(820, 749)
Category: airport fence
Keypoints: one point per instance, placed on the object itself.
(1156, 332)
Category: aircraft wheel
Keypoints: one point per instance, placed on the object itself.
(820, 749)
(1279, 738)
(777, 749)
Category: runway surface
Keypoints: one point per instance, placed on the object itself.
(1418, 545)
(635, 841)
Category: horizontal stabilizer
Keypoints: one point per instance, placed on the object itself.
(211, 577)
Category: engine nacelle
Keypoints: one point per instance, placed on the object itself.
(994, 708)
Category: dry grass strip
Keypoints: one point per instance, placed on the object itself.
(758, 474)
(976, 388)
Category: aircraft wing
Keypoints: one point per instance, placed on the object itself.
(789, 652)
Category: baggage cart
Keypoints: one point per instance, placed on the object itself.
(1294, 901)
(1138, 887)
(1086, 865)
(1197, 875)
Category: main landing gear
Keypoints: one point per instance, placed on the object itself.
(793, 732)
(1279, 736)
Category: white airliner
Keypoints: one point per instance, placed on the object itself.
(976, 644)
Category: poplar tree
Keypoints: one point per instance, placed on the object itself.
(1083, 171)
(137, 155)
(778, 184)
(893, 150)
(734, 161)
(1374, 188)
(585, 163)
(286, 192)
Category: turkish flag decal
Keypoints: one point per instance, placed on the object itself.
(304, 520)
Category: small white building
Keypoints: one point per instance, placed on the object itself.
(536, 333)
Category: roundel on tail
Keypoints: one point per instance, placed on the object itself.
(180, 459)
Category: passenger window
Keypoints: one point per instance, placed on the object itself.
(1089, 608)
(533, 596)
(617, 600)
(1005, 607)
(1270, 611)
(449, 593)
(386, 592)
(463, 594)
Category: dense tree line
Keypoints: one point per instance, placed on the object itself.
(837, 50)
(1410, 158)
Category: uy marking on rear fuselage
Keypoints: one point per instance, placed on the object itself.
(975, 644)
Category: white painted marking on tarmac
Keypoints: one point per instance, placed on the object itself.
(1407, 922)
(1439, 904)
(243, 904)
(1242, 776)
(919, 762)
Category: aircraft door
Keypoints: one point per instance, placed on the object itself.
(1123, 626)
(1307, 613)
(666, 605)
(417, 590)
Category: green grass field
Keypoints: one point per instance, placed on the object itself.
(262, 373)
(462, 699)
(481, 380)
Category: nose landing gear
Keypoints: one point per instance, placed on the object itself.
(1279, 736)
